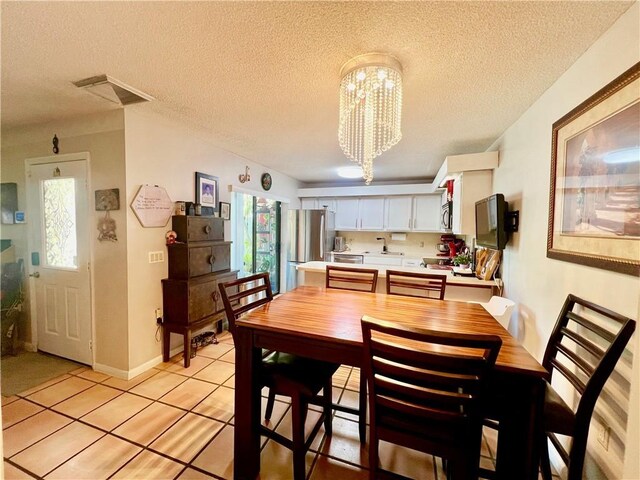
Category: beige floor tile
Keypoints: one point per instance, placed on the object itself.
(57, 448)
(147, 425)
(117, 411)
(326, 467)
(31, 430)
(188, 394)
(341, 376)
(218, 405)
(231, 383)
(230, 356)
(17, 411)
(354, 380)
(129, 384)
(53, 381)
(158, 385)
(13, 473)
(80, 370)
(191, 474)
(226, 337)
(94, 376)
(217, 372)
(197, 363)
(344, 443)
(98, 461)
(214, 350)
(285, 426)
(8, 400)
(84, 402)
(187, 437)
(60, 391)
(147, 466)
(407, 462)
(276, 462)
(217, 458)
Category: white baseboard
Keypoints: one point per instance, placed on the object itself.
(129, 374)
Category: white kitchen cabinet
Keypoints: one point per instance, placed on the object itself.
(426, 213)
(399, 213)
(468, 188)
(417, 213)
(308, 203)
(391, 260)
(347, 213)
(320, 202)
(360, 213)
(371, 211)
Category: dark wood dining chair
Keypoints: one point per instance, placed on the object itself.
(427, 392)
(584, 348)
(414, 284)
(360, 280)
(296, 377)
(346, 278)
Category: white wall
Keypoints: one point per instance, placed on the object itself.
(162, 152)
(102, 136)
(539, 285)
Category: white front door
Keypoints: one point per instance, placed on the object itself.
(59, 258)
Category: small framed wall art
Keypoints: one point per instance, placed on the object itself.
(207, 192)
(225, 211)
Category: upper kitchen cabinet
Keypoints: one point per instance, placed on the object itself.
(313, 203)
(417, 213)
(468, 188)
(360, 213)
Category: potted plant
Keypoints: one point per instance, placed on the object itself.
(462, 260)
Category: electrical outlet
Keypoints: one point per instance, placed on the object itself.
(421, 244)
(159, 315)
(604, 431)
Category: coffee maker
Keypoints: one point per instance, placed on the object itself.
(339, 245)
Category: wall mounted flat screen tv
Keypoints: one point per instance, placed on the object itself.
(490, 222)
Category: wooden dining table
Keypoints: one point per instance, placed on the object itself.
(324, 324)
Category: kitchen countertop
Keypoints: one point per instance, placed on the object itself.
(319, 267)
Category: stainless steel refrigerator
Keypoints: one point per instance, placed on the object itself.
(311, 237)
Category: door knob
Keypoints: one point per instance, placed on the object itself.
(35, 274)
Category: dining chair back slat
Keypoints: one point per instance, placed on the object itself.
(244, 294)
(414, 284)
(346, 278)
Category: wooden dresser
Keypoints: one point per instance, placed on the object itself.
(197, 264)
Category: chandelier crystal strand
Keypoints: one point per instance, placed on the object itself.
(370, 109)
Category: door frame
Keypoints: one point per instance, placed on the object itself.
(69, 157)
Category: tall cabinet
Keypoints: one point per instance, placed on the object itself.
(198, 262)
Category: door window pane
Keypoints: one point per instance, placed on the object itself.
(60, 240)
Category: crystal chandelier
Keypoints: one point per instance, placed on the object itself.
(370, 108)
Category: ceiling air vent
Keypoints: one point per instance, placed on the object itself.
(113, 90)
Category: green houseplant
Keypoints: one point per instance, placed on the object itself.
(462, 260)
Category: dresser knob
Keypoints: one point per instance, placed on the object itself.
(207, 229)
(212, 259)
(214, 295)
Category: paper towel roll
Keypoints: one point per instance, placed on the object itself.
(399, 237)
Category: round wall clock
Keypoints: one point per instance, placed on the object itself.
(266, 181)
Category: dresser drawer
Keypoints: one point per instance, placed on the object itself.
(189, 301)
(197, 229)
(192, 260)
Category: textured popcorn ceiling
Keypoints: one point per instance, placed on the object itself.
(261, 78)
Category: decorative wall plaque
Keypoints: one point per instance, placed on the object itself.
(152, 206)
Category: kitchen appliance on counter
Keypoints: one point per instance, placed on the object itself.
(339, 245)
(311, 238)
(448, 247)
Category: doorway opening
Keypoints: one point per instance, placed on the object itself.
(258, 238)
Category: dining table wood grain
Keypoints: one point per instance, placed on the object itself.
(324, 324)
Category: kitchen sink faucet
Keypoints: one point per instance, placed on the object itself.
(384, 244)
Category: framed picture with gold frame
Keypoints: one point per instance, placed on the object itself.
(595, 180)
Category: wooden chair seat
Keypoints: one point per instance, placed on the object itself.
(299, 378)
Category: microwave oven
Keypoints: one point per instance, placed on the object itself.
(446, 222)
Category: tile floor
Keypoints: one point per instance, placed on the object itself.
(176, 423)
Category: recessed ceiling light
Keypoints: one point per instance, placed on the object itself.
(350, 172)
